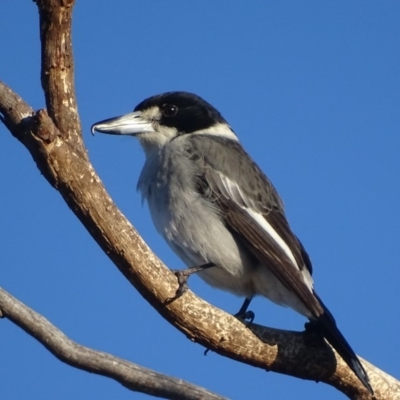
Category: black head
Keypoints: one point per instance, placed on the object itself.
(184, 111)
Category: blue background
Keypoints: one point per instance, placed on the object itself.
(312, 89)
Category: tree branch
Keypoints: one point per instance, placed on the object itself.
(57, 73)
(130, 375)
(55, 144)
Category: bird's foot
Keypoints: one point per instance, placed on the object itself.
(243, 315)
(183, 275)
(246, 317)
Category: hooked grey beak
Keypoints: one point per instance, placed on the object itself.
(128, 124)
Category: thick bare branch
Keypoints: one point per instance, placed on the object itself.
(132, 376)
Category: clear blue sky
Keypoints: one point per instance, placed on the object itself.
(312, 89)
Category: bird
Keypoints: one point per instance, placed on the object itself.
(219, 212)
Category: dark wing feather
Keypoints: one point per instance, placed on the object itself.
(264, 247)
(235, 196)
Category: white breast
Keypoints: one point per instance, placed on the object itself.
(191, 225)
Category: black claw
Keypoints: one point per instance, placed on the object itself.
(247, 317)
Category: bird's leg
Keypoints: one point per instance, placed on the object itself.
(183, 276)
(243, 314)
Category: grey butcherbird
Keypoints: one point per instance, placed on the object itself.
(215, 207)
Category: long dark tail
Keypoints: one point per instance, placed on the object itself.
(327, 324)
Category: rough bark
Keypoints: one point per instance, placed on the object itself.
(54, 139)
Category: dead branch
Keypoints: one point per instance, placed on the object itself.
(130, 375)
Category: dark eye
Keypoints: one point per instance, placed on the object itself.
(169, 110)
